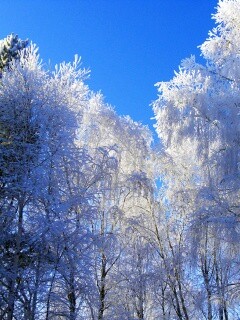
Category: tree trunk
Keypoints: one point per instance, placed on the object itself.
(35, 294)
(72, 297)
(225, 311)
(102, 288)
(219, 290)
(205, 273)
(12, 289)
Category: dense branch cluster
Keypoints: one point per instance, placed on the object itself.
(95, 222)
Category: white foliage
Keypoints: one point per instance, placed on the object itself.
(197, 116)
(223, 45)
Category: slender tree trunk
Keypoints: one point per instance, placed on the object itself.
(140, 296)
(49, 294)
(72, 297)
(225, 311)
(102, 288)
(177, 306)
(209, 304)
(140, 308)
(34, 300)
(205, 273)
(205, 268)
(27, 312)
(177, 282)
(183, 305)
(163, 303)
(140, 311)
(219, 291)
(220, 312)
(12, 289)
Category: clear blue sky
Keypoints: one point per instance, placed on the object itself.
(129, 45)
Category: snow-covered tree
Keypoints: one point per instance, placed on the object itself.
(86, 232)
(38, 121)
(197, 115)
(74, 175)
(197, 120)
(9, 49)
(126, 145)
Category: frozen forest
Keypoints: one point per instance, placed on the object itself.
(100, 222)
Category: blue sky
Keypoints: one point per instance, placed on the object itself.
(129, 45)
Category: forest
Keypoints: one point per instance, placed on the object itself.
(100, 222)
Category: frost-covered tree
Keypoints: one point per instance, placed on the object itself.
(74, 175)
(86, 232)
(37, 117)
(197, 120)
(9, 49)
(126, 145)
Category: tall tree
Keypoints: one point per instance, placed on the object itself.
(197, 116)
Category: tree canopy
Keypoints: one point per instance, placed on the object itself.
(97, 222)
